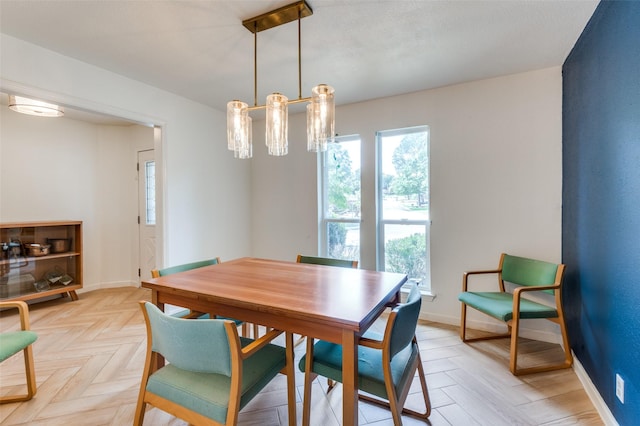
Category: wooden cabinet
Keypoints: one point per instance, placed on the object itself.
(39, 259)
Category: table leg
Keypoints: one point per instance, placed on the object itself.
(349, 378)
(154, 300)
(291, 379)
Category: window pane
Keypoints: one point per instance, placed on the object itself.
(403, 202)
(343, 179)
(405, 176)
(150, 192)
(405, 249)
(343, 240)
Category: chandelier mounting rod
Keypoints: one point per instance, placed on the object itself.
(277, 17)
(266, 21)
(320, 108)
(299, 60)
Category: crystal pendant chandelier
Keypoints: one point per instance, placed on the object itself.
(320, 110)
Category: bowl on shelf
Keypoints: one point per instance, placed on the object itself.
(59, 245)
(34, 249)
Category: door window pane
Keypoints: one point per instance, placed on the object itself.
(150, 192)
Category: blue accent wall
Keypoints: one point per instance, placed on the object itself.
(601, 202)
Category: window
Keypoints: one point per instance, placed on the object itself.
(150, 192)
(403, 202)
(400, 233)
(340, 199)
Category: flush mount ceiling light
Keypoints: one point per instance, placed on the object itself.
(34, 107)
(320, 110)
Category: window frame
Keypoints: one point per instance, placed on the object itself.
(323, 204)
(381, 221)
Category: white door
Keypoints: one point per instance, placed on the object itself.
(147, 212)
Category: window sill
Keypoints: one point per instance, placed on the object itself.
(426, 293)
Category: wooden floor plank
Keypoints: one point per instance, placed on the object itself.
(90, 353)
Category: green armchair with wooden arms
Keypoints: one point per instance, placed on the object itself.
(528, 276)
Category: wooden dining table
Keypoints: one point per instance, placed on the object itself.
(322, 302)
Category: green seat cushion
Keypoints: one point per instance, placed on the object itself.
(14, 341)
(208, 393)
(327, 362)
(500, 305)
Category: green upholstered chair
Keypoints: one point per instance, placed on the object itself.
(212, 372)
(386, 363)
(327, 261)
(528, 275)
(186, 313)
(12, 342)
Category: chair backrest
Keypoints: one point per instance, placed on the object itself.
(201, 346)
(327, 261)
(403, 321)
(185, 267)
(523, 271)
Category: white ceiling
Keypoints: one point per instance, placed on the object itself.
(365, 49)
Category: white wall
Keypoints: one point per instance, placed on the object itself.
(62, 169)
(495, 167)
(496, 157)
(205, 191)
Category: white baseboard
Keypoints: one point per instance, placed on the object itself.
(494, 327)
(98, 286)
(601, 407)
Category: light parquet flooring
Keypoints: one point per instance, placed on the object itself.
(89, 357)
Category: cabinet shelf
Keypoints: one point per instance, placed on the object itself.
(54, 290)
(20, 272)
(38, 258)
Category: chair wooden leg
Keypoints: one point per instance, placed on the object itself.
(515, 328)
(568, 358)
(392, 396)
(463, 323)
(330, 385)
(141, 407)
(30, 376)
(398, 406)
(256, 331)
(299, 341)
(30, 372)
(425, 393)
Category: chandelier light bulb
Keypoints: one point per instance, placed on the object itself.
(237, 114)
(244, 149)
(277, 124)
